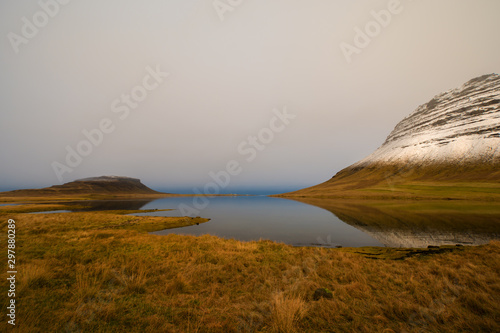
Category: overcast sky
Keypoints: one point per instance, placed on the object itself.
(102, 65)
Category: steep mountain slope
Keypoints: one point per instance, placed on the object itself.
(450, 143)
(105, 185)
(459, 126)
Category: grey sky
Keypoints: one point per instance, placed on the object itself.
(226, 77)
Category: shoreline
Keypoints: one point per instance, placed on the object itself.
(103, 271)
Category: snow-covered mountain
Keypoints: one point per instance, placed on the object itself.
(460, 125)
(453, 138)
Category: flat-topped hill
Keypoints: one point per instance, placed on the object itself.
(105, 185)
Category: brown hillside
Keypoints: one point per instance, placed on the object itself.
(106, 185)
(473, 181)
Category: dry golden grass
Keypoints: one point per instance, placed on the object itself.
(287, 312)
(93, 272)
(34, 274)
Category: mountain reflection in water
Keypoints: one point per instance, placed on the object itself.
(419, 224)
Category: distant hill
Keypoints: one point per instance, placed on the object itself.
(448, 147)
(105, 185)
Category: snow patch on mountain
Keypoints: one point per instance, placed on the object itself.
(108, 179)
(458, 126)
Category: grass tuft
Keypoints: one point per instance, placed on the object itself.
(287, 312)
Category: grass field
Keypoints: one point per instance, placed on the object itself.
(102, 272)
(444, 182)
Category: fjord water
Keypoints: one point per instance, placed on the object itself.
(249, 218)
(331, 223)
(327, 222)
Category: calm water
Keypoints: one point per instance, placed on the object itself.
(326, 223)
(254, 218)
(53, 212)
